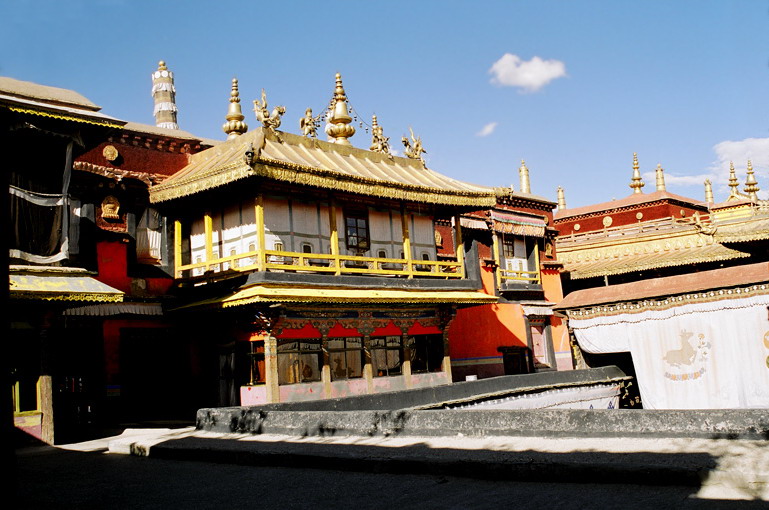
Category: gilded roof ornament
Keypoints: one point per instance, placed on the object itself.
(523, 174)
(338, 127)
(413, 149)
(709, 191)
(379, 142)
(269, 120)
(561, 198)
(751, 184)
(309, 124)
(235, 125)
(636, 183)
(734, 184)
(660, 178)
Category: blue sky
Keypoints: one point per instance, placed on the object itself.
(574, 88)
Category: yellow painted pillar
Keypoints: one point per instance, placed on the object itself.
(536, 261)
(334, 237)
(271, 369)
(368, 367)
(325, 371)
(407, 242)
(497, 266)
(177, 248)
(208, 223)
(459, 246)
(259, 215)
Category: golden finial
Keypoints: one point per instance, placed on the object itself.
(561, 199)
(636, 183)
(708, 191)
(379, 142)
(734, 184)
(751, 184)
(523, 174)
(660, 178)
(162, 66)
(338, 127)
(235, 126)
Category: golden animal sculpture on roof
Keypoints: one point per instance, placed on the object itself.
(309, 124)
(263, 115)
(413, 148)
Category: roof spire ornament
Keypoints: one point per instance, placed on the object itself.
(561, 198)
(234, 126)
(636, 183)
(660, 177)
(709, 191)
(751, 184)
(734, 184)
(309, 124)
(338, 127)
(523, 174)
(413, 149)
(269, 120)
(379, 142)
(164, 95)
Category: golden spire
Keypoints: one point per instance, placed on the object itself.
(751, 184)
(734, 184)
(561, 198)
(636, 183)
(164, 96)
(523, 173)
(234, 126)
(660, 177)
(338, 127)
(708, 191)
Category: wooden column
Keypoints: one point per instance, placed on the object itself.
(536, 260)
(177, 248)
(407, 242)
(259, 218)
(368, 367)
(497, 265)
(459, 246)
(325, 371)
(208, 223)
(406, 365)
(271, 369)
(334, 236)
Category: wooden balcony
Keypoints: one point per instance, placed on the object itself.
(331, 264)
(519, 276)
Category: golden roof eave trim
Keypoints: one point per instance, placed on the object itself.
(319, 177)
(61, 116)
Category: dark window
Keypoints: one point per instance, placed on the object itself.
(345, 357)
(299, 360)
(426, 353)
(357, 230)
(387, 355)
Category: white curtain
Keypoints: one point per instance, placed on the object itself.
(696, 356)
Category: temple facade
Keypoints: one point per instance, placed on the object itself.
(673, 290)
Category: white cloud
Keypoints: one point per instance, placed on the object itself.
(677, 180)
(529, 76)
(487, 129)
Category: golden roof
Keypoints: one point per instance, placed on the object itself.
(55, 284)
(754, 229)
(307, 161)
(283, 294)
(589, 267)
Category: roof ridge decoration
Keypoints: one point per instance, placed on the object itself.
(751, 184)
(660, 178)
(561, 198)
(338, 127)
(235, 125)
(269, 120)
(413, 149)
(734, 184)
(164, 96)
(709, 192)
(523, 175)
(636, 183)
(309, 124)
(379, 142)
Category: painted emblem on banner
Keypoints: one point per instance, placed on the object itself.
(688, 361)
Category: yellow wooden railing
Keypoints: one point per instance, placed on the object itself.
(274, 260)
(526, 276)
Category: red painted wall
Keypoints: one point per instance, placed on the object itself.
(112, 257)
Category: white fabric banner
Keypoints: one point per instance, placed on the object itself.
(697, 356)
